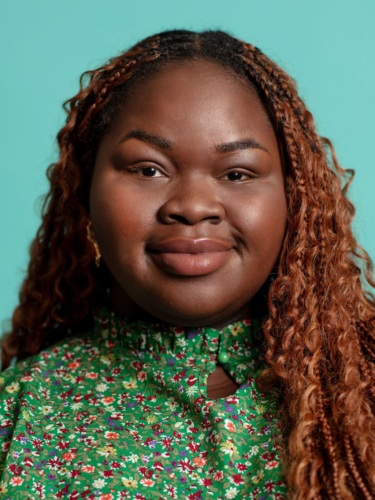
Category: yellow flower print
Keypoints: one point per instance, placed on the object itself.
(107, 359)
(190, 391)
(235, 330)
(25, 415)
(13, 387)
(98, 483)
(158, 337)
(151, 419)
(46, 409)
(231, 492)
(107, 451)
(171, 403)
(254, 450)
(129, 482)
(260, 408)
(130, 384)
(258, 477)
(229, 448)
(181, 342)
(133, 458)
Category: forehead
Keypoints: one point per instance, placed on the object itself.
(182, 98)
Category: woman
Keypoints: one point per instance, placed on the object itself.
(192, 202)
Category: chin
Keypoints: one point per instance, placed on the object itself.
(194, 315)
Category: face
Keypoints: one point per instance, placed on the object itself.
(187, 197)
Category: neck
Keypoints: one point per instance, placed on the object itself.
(123, 305)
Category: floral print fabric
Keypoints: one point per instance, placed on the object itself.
(122, 412)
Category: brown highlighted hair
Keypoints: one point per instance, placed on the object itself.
(320, 330)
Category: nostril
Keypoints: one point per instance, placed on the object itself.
(190, 209)
(179, 218)
(185, 220)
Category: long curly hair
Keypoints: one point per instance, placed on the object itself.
(319, 332)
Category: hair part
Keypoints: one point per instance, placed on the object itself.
(320, 342)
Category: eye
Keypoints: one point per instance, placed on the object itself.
(147, 171)
(150, 172)
(238, 176)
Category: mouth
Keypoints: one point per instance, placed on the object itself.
(190, 257)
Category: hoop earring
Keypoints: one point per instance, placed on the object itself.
(91, 239)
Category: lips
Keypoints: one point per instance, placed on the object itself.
(190, 257)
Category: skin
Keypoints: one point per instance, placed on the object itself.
(144, 194)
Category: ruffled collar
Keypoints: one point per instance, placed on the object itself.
(237, 346)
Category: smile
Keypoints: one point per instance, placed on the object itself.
(190, 257)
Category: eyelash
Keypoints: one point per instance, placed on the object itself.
(142, 169)
(247, 175)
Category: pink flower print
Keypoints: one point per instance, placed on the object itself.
(111, 435)
(229, 425)
(108, 400)
(147, 482)
(16, 481)
(88, 468)
(74, 364)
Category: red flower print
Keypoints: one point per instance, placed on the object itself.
(237, 479)
(63, 445)
(191, 380)
(28, 461)
(241, 467)
(194, 447)
(269, 485)
(185, 465)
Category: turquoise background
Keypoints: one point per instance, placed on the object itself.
(327, 45)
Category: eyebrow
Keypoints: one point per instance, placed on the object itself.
(142, 135)
(230, 147)
(161, 142)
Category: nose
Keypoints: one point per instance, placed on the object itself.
(191, 202)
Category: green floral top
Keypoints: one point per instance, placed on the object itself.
(122, 412)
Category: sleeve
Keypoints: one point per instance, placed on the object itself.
(10, 406)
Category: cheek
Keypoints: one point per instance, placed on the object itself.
(261, 219)
(119, 215)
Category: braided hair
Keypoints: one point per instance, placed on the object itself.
(319, 332)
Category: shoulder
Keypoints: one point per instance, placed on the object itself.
(51, 361)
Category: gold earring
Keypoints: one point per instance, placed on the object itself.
(91, 238)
